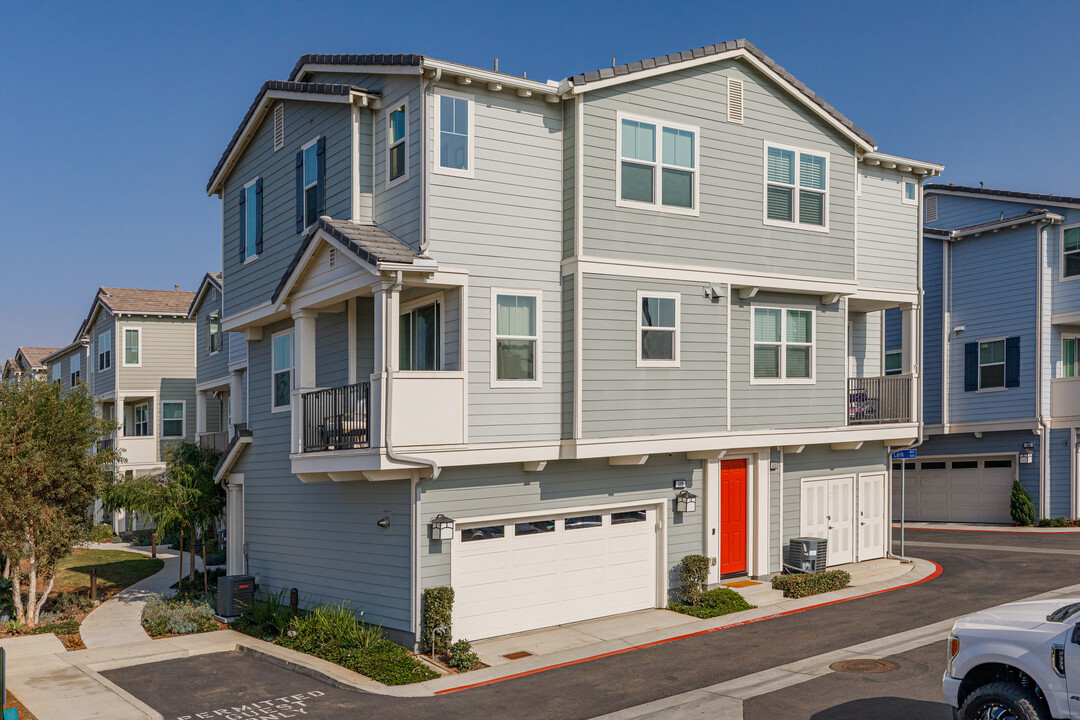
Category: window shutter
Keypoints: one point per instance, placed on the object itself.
(321, 154)
(971, 366)
(1012, 362)
(931, 209)
(300, 191)
(258, 217)
(735, 100)
(243, 229)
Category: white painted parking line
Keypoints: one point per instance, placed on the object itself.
(994, 548)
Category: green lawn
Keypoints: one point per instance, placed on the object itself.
(116, 569)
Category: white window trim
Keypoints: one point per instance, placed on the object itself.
(183, 418)
(657, 204)
(885, 364)
(209, 334)
(255, 256)
(72, 378)
(1062, 277)
(783, 380)
(303, 171)
(437, 155)
(123, 360)
(56, 372)
(1061, 358)
(793, 224)
(641, 294)
(538, 364)
(149, 425)
(100, 352)
(1004, 361)
(430, 299)
(287, 407)
(903, 195)
(389, 111)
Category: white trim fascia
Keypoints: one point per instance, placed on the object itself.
(388, 111)
(1007, 224)
(200, 295)
(1005, 198)
(436, 167)
(657, 164)
(538, 362)
(123, 360)
(298, 272)
(230, 459)
(991, 426)
(677, 297)
(796, 188)
(902, 164)
(354, 166)
(741, 53)
(161, 416)
(1069, 318)
(215, 384)
(256, 315)
(772, 282)
(901, 297)
(308, 68)
(489, 76)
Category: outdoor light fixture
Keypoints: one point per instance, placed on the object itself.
(442, 528)
(686, 502)
(1026, 455)
(384, 523)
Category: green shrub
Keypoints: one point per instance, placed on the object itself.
(215, 558)
(331, 626)
(385, 661)
(137, 537)
(60, 627)
(461, 656)
(714, 603)
(176, 617)
(438, 612)
(7, 602)
(1020, 506)
(101, 533)
(1059, 522)
(188, 589)
(693, 577)
(799, 585)
(268, 615)
(69, 603)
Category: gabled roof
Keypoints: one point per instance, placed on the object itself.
(1003, 223)
(233, 451)
(369, 242)
(272, 89)
(79, 342)
(354, 59)
(1009, 194)
(34, 356)
(145, 302)
(210, 280)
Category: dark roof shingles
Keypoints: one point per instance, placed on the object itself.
(1002, 193)
(131, 300)
(354, 59)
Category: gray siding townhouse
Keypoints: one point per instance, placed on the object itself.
(141, 368)
(29, 362)
(1001, 272)
(68, 366)
(540, 340)
(221, 378)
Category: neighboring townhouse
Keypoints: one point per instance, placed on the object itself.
(68, 366)
(539, 341)
(141, 369)
(29, 362)
(1001, 272)
(221, 380)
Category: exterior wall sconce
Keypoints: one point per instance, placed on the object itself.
(384, 523)
(686, 502)
(1028, 452)
(442, 528)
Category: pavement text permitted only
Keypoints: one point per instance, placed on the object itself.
(290, 706)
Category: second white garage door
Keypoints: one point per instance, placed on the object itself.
(521, 574)
(956, 490)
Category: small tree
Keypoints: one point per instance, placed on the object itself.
(192, 466)
(49, 471)
(1020, 506)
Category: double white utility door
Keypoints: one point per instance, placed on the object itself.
(828, 511)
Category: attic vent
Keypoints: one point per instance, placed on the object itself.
(333, 258)
(279, 127)
(734, 100)
(931, 209)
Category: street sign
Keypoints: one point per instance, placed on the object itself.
(904, 454)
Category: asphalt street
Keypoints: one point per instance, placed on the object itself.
(980, 570)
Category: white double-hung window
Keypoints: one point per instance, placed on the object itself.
(1070, 357)
(55, 372)
(454, 121)
(992, 364)
(396, 144)
(141, 417)
(282, 361)
(783, 342)
(76, 369)
(515, 342)
(132, 347)
(172, 419)
(1070, 251)
(796, 187)
(657, 165)
(104, 350)
(658, 329)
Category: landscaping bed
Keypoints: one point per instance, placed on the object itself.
(799, 585)
(170, 617)
(713, 603)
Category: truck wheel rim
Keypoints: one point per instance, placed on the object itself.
(996, 712)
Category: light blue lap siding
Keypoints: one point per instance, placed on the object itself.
(210, 366)
(492, 490)
(933, 254)
(1061, 473)
(332, 349)
(620, 398)
(864, 345)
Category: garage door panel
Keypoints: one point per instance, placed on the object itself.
(955, 494)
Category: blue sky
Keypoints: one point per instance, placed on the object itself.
(113, 115)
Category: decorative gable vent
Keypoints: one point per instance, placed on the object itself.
(333, 258)
(279, 127)
(931, 209)
(735, 100)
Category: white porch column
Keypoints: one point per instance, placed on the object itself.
(236, 400)
(910, 343)
(303, 367)
(119, 416)
(200, 412)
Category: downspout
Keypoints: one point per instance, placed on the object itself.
(425, 176)
(1044, 425)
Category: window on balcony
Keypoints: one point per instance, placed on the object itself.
(894, 362)
(141, 417)
(1070, 357)
(420, 337)
(783, 341)
(282, 361)
(516, 340)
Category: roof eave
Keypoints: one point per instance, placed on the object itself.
(903, 164)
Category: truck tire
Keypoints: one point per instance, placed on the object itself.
(1016, 702)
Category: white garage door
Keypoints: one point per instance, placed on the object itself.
(956, 489)
(521, 574)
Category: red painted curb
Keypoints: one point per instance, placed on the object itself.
(1018, 531)
(937, 571)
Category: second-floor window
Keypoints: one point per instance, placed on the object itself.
(282, 366)
(420, 337)
(310, 183)
(132, 347)
(992, 364)
(213, 333)
(1070, 252)
(396, 144)
(658, 330)
(56, 372)
(516, 340)
(894, 362)
(1070, 357)
(783, 342)
(141, 417)
(76, 369)
(454, 120)
(796, 187)
(909, 193)
(658, 175)
(104, 350)
(172, 419)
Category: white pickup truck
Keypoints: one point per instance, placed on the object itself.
(1017, 661)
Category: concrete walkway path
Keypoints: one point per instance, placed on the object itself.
(118, 621)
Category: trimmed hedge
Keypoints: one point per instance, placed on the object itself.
(714, 603)
(438, 611)
(1059, 522)
(1021, 508)
(693, 577)
(462, 657)
(799, 585)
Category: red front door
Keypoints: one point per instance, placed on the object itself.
(732, 517)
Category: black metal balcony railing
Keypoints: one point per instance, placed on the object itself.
(336, 418)
(879, 400)
(214, 440)
(106, 444)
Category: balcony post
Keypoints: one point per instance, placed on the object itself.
(200, 413)
(910, 345)
(236, 400)
(119, 416)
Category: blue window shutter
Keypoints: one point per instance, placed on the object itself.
(971, 366)
(1012, 362)
(258, 217)
(243, 229)
(321, 154)
(300, 191)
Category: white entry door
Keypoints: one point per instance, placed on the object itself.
(827, 512)
(871, 516)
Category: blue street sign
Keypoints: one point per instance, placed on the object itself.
(904, 454)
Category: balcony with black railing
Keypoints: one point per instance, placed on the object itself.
(879, 400)
(336, 418)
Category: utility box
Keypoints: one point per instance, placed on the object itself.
(806, 555)
(235, 594)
